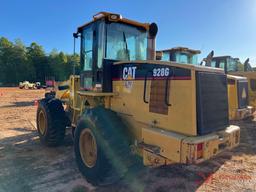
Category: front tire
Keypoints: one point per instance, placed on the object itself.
(51, 122)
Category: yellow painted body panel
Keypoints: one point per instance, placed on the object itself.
(232, 100)
(183, 99)
(234, 112)
(251, 76)
(175, 133)
(164, 139)
(177, 148)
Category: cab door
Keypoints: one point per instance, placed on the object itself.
(88, 57)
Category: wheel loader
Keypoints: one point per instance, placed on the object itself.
(237, 86)
(179, 55)
(233, 67)
(126, 108)
(247, 71)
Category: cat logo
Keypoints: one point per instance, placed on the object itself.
(244, 95)
(128, 76)
(129, 73)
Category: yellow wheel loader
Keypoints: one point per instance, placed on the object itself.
(125, 106)
(179, 55)
(237, 86)
(248, 72)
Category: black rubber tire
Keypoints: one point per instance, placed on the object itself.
(114, 156)
(49, 95)
(56, 122)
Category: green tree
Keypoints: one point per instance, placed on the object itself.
(13, 61)
(5, 47)
(37, 62)
(19, 63)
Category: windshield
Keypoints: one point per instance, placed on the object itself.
(231, 64)
(125, 42)
(186, 58)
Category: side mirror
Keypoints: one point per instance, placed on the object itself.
(75, 35)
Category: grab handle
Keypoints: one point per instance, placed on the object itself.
(145, 87)
(167, 91)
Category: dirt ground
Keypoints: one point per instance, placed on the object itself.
(26, 165)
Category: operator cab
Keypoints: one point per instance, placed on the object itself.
(228, 63)
(110, 38)
(179, 55)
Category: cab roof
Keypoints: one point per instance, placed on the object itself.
(225, 57)
(222, 57)
(181, 49)
(113, 17)
(235, 77)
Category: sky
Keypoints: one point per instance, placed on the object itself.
(226, 26)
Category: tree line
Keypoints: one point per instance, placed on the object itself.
(20, 63)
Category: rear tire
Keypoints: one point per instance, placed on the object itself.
(51, 122)
(112, 151)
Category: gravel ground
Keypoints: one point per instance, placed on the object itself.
(26, 165)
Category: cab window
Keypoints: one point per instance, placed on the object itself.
(213, 64)
(87, 46)
(166, 56)
(125, 42)
(182, 58)
(194, 60)
(231, 65)
(222, 64)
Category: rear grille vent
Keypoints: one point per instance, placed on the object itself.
(212, 102)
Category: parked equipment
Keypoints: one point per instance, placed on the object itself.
(179, 55)
(246, 71)
(237, 86)
(243, 84)
(126, 105)
(28, 85)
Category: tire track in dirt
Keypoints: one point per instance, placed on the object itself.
(26, 165)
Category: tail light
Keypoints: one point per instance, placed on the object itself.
(199, 150)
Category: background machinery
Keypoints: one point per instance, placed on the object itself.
(179, 55)
(244, 70)
(233, 67)
(126, 105)
(28, 85)
(237, 86)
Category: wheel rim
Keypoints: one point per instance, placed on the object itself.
(88, 148)
(42, 122)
